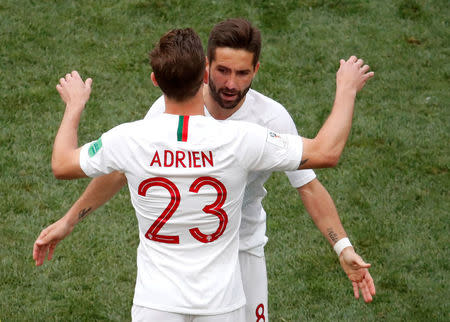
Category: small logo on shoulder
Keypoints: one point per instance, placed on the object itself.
(276, 139)
(95, 147)
(273, 134)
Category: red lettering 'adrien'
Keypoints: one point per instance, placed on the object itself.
(182, 159)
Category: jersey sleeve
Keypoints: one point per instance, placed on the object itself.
(261, 149)
(104, 155)
(283, 123)
(157, 108)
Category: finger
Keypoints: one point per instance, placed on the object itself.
(369, 75)
(359, 62)
(41, 252)
(365, 292)
(89, 83)
(50, 251)
(355, 290)
(35, 251)
(75, 74)
(41, 257)
(37, 244)
(370, 283)
(352, 59)
(342, 61)
(365, 69)
(62, 81)
(68, 76)
(40, 247)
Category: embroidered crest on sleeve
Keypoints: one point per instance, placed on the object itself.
(95, 147)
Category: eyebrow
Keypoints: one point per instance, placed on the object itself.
(239, 70)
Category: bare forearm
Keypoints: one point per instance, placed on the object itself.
(99, 191)
(67, 136)
(65, 157)
(322, 210)
(333, 135)
(65, 148)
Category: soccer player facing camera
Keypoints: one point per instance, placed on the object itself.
(186, 174)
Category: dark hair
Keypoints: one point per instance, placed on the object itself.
(178, 62)
(237, 34)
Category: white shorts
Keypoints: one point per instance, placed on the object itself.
(145, 314)
(254, 279)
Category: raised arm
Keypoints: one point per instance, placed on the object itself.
(326, 148)
(66, 154)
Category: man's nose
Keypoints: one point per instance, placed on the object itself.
(231, 82)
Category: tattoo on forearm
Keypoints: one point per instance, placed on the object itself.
(83, 213)
(303, 162)
(333, 236)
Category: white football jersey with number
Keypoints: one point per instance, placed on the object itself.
(258, 109)
(187, 177)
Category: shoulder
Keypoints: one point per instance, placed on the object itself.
(130, 128)
(265, 102)
(125, 129)
(271, 113)
(241, 128)
(158, 107)
(156, 128)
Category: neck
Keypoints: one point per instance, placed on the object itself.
(217, 111)
(191, 106)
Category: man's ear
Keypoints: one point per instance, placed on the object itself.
(206, 78)
(152, 76)
(256, 69)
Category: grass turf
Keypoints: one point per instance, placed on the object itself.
(391, 187)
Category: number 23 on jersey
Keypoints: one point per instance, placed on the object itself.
(214, 209)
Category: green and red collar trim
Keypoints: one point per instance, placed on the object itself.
(183, 126)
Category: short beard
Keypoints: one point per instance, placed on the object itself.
(215, 94)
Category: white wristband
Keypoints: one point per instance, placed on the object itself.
(341, 244)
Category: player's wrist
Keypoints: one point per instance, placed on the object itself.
(70, 219)
(75, 108)
(346, 91)
(341, 244)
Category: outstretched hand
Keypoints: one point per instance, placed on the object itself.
(73, 90)
(48, 239)
(357, 271)
(353, 74)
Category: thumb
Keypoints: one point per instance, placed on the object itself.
(41, 241)
(44, 239)
(362, 263)
(88, 83)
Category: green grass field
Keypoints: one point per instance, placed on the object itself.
(391, 187)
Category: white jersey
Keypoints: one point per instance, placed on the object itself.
(186, 177)
(264, 111)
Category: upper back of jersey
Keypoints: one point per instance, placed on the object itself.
(262, 110)
(187, 177)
